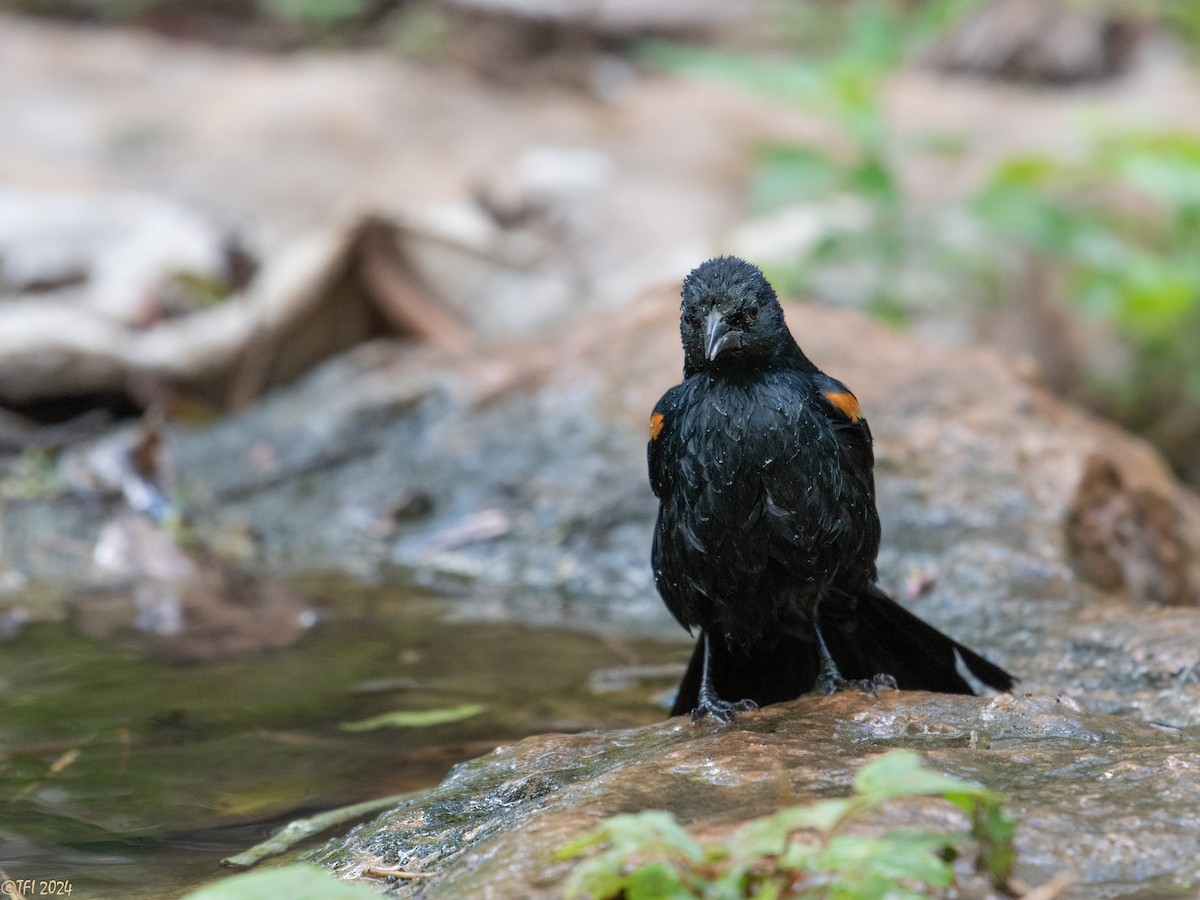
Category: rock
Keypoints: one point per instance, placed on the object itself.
(1043, 40)
(529, 455)
(1128, 539)
(1112, 785)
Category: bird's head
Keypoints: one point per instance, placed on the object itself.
(730, 318)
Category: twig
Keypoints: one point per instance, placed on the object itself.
(1052, 889)
(377, 872)
(295, 832)
(61, 764)
(399, 293)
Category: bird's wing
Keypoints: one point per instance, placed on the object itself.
(662, 423)
(841, 408)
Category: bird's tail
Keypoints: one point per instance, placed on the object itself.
(882, 637)
(870, 635)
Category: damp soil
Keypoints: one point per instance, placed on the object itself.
(131, 776)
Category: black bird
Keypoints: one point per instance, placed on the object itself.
(767, 529)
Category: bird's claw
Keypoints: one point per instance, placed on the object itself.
(886, 682)
(833, 683)
(722, 710)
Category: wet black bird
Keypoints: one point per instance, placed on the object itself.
(767, 529)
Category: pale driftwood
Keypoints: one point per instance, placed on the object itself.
(302, 829)
(322, 294)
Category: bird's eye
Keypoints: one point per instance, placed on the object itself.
(752, 312)
(691, 319)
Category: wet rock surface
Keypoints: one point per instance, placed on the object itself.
(1107, 800)
(519, 470)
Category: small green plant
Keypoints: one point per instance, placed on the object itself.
(800, 851)
(1125, 221)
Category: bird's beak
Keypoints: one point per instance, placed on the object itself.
(718, 336)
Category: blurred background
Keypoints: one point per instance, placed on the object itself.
(1021, 172)
(212, 211)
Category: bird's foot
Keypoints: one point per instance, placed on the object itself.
(722, 710)
(832, 682)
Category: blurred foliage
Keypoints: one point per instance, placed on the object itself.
(1119, 230)
(1182, 17)
(1123, 223)
(1126, 222)
(420, 31)
(801, 851)
(318, 14)
(864, 43)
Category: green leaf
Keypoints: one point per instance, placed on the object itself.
(318, 12)
(994, 830)
(1027, 171)
(296, 882)
(637, 831)
(886, 777)
(650, 835)
(598, 878)
(902, 773)
(769, 834)
(790, 173)
(656, 881)
(875, 179)
(897, 856)
(1157, 292)
(1165, 165)
(415, 718)
(872, 44)
(792, 80)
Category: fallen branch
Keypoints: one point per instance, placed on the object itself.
(376, 872)
(302, 829)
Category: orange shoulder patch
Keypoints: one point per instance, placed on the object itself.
(656, 425)
(846, 402)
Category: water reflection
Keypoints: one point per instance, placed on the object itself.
(133, 776)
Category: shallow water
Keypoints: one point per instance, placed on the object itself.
(130, 776)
